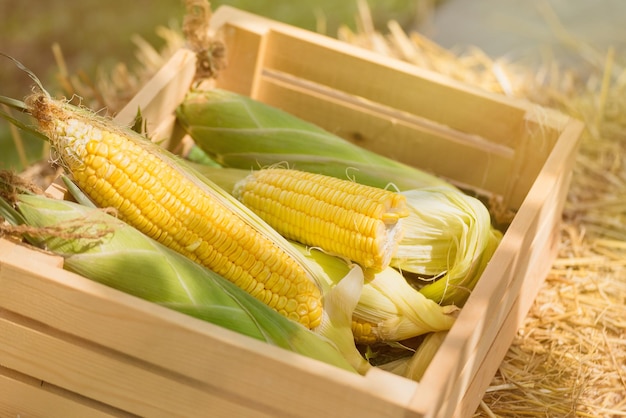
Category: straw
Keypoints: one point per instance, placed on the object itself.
(569, 356)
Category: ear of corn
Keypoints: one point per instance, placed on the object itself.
(127, 260)
(117, 170)
(239, 132)
(361, 223)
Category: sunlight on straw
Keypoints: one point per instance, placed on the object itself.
(606, 83)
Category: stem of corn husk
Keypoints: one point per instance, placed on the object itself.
(210, 53)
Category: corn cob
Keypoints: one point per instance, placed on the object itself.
(119, 170)
(344, 218)
(129, 261)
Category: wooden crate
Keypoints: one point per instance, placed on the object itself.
(72, 347)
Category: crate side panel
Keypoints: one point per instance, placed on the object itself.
(24, 396)
(513, 308)
(527, 249)
(393, 83)
(106, 376)
(484, 374)
(475, 165)
(242, 367)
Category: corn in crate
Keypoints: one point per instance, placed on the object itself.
(76, 346)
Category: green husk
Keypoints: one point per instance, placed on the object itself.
(104, 249)
(239, 132)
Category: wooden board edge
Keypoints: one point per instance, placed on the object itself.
(23, 395)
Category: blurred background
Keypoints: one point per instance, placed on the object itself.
(93, 35)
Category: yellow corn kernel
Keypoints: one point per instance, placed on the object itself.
(364, 332)
(361, 223)
(151, 194)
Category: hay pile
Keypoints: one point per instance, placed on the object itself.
(569, 357)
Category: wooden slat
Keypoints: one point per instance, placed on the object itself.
(444, 153)
(392, 82)
(25, 396)
(106, 376)
(160, 95)
(407, 88)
